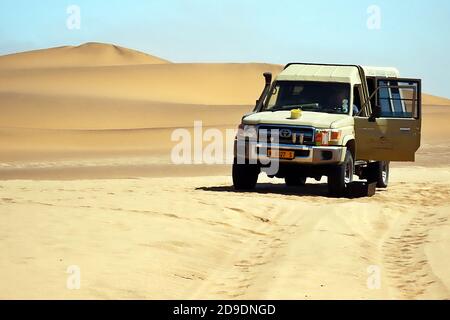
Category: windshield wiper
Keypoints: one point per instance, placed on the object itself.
(333, 110)
(299, 106)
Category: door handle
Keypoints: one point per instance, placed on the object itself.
(405, 129)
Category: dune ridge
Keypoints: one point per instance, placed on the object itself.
(91, 54)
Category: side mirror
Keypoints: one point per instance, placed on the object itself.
(376, 113)
(268, 77)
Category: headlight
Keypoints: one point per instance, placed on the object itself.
(325, 137)
(246, 131)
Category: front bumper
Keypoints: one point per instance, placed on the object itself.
(303, 154)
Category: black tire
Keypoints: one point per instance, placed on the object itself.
(245, 176)
(295, 181)
(340, 176)
(379, 173)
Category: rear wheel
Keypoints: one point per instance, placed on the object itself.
(341, 175)
(295, 181)
(379, 173)
(245, 176)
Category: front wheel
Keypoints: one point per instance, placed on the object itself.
(341, 175)
(245, 176)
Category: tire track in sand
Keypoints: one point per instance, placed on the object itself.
(239, 269)
(403, 252)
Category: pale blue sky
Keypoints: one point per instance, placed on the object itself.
(414, 34)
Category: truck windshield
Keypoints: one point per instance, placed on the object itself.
(309, 96)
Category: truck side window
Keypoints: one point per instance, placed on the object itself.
(397, 99)
(384, 98)
(397, 102)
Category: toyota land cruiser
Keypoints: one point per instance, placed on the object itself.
(337, 121)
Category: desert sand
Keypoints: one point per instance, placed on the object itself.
(86, 180)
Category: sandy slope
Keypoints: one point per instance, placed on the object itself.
(141, 130)
(435, 101)
(86, 179)
(222, 84)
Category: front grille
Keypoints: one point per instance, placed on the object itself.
(287, 135)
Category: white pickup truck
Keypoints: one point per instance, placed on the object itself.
(329, 120)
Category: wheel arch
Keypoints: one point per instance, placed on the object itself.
(350, 143)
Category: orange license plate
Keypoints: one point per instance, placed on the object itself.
(281, 154)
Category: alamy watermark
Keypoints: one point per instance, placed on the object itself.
(374, 278)
(73, 21)
(73, 281)
(374, 18)
(245, 145)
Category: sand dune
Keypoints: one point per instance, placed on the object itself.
(435, 101)
(86, 180)
(223, 84)
(126, 73)
(100, 113)
(86, 55)
(142, 128)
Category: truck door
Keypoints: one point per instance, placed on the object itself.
(392, 131)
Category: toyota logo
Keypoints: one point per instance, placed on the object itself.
(285, 133)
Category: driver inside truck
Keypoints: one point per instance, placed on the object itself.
(340, 101)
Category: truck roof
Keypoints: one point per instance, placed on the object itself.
(332, 73)
(382, 72)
